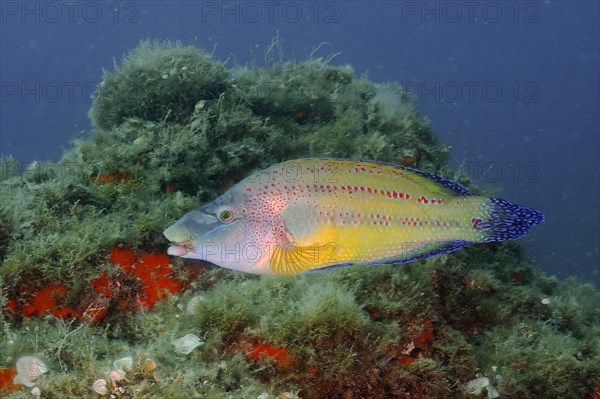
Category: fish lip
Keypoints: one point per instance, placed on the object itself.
(180, 248)
(177, 250)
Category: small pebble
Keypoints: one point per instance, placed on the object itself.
(149, 365)
(99, 386)
(193, 304)
(186, 344)
(117, 375)
(123, 363)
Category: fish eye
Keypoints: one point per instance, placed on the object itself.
(226, 216)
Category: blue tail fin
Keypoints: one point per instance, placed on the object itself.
(509, 221)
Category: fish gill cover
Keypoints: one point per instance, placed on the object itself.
(87, 289)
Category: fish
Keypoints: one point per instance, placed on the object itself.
(317, 214)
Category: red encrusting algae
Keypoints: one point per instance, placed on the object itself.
(102, 285)
(152, 270)
(278, 354)
(122, 257)
(111, 178)
(426, 336)
(48, 300)
(6, 380)
(420, 346)
(406, 360)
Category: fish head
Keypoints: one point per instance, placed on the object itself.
(215, 232)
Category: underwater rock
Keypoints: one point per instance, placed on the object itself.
(148, 366)
(157, 82)
(74, 248)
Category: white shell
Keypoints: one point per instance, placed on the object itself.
(29, 368)
(125, 362)
(475, 386)
(117, 375)
(491, 391)
(100, 387)
(186, 344)
(193, 304)
(36, 392)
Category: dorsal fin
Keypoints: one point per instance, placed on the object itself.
(456, 188)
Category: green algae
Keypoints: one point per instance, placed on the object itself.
(175, 128)
(155, 82)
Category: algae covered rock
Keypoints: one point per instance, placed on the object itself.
(157, 82)
(329, 112)
(204, 128)
(85, 279)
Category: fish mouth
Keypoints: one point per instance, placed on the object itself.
(179, 249)
(181, 243)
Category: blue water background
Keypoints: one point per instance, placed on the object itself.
(513, 87)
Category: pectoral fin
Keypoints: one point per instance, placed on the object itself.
(292, 259)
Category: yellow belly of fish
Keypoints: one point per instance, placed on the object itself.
(377, 231)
